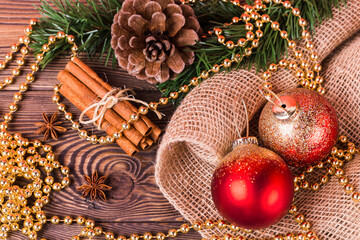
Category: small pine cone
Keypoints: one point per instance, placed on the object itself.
(151, 38)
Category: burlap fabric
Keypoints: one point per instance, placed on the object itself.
(202, 129)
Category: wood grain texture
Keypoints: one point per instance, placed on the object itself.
(135, 204)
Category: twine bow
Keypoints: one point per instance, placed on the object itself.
(108, 101)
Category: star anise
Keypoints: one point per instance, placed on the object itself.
(50, 127)
(95, 187)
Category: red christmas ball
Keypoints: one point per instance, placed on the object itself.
(305, 133)
(253, 187)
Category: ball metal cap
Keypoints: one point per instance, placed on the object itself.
(245, 141)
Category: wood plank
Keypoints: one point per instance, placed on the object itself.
(14, 16)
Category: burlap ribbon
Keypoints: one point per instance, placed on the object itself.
(203, 127)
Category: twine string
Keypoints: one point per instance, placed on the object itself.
(108, 101)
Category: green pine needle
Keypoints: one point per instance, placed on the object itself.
(89, 22)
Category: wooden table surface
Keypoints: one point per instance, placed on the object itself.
(135, 204)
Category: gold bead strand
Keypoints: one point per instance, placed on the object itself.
(16, 71)
(301, 182)
(250, 36)
(304, 224)
(275, 26)
(292, 65)
(314, 69)
(347, 155)
(22, 160)
(196, 80)
(34, 68)
(309, 75)
(16, 47)
(336, 168)
(251, 13)
(335, 163)
(9, 56)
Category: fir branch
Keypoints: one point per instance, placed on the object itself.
(271, 47)
(89, 22)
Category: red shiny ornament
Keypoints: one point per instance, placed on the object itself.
(253, 187)
(305, 133)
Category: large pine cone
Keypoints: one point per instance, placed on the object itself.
(151, 38)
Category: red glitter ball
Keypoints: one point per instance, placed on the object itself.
(307, 136)
(253, 188)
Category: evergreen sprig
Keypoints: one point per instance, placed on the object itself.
(215, 13)
(90, 23)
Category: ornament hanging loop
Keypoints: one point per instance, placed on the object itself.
(244, 140)
(269, 97)
(247, 118)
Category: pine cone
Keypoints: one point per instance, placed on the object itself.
(151, 38)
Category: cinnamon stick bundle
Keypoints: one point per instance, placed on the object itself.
(129, 148)
(125, 111)
(82, 86)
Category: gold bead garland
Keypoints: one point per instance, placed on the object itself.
(335, 163)
(21, 158)
(91, 231)
(303, 70)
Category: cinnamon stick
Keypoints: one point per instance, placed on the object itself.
(123, 142)
(91, 73)
(87, 76)
(155, 134)
(147, 144)
(88, 97)
(144, 146)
